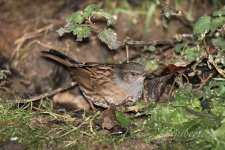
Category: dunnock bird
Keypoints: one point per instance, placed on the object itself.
(105, 84)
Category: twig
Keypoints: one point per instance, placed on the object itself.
(19, 42)
(173, 85)
(48, 46)
(39, 97)
(54, 114)
(31, 35)
(146, 49)
(143, 43)
(219, 70)
(168, 12)
(127, 52)
(209, 77)
(180, 37)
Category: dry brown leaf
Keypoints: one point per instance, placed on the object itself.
(70, 102)
(109, 118)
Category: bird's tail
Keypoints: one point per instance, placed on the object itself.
(61, 58)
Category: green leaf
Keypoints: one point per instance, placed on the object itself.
(82, 32)
(3, 74)
(110, 19)
(151, 65)
(88, 10)
(202, 25)
(152, 48)
(180, 47)
(109, 37)
(76, 17)
(220, 85)
(122, 119)
(191, 54)
(219, 133)
(216, 23)
(186, 97)
(219, 42)
(66, 29)
(220, 12)
(149, 15)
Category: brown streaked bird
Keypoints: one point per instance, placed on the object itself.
(105, 84)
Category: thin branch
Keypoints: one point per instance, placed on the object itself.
(42, 96)
(202, 85)
(145, 50)
(168, 12)
(180, 37)
(47, 46)
(143, 43)
(30, 35)
(127, 52)
(54, 114)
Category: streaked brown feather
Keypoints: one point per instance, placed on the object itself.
(100, 83)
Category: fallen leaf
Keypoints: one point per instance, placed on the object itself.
(109, 118)
(70, 102)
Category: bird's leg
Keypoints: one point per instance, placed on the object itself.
(92, 106)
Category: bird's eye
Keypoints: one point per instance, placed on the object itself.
(133, 74)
